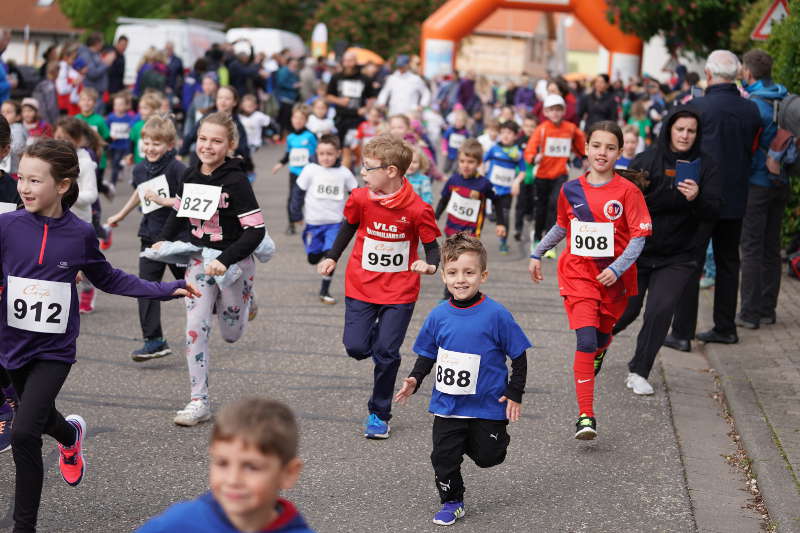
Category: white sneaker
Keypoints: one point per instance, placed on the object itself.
(195, 412)
(639, 385)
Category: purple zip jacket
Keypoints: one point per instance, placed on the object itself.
(54, 250)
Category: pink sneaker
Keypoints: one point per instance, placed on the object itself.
(70, 459)
(86, 304)
(105, 244)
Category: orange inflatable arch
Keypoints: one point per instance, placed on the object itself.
(456, 19)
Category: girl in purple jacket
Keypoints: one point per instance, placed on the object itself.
(42, 249)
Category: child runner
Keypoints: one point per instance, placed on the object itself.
(605, 220)
(218, 200)
(119, 123)
(503, 164)
(526, 193)
(160, 175)
(253, 456)
(549, 148)
(418, 178)
(453, 137)
(46, 245)
(321, 193)
(149, 104)
(300, 146)
(400, 126)
(368, 129)
(87, 103)
(254, 122)
(489, 136)
(35, 126)
(12, 112)
(382, 279)
(468, 339)
(630, 135)
(319, 122)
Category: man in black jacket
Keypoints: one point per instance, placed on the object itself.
(730, 126)
(600, 104)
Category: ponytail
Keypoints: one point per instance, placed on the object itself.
(63, 161)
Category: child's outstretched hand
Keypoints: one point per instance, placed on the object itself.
(189, 292)
(326, 266)
(405, 392)
(277, 167)
(513, 409)
(535, 268)
(421, 267)
(113, 220)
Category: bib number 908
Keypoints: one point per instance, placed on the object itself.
(591, 243)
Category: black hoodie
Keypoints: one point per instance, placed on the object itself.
(675, 219)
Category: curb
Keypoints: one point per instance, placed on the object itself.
(775, 478)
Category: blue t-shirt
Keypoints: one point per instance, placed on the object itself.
(623, 162)
(120, 130)
(508, 159)
(486, 329)
(301, 148)
(461, 134)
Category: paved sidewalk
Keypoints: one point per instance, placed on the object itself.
(761, 379)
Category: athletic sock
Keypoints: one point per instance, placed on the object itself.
(583, 370)
(603, 341)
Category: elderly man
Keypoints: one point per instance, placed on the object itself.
(404, 91)
(730, 126)
(6, 84)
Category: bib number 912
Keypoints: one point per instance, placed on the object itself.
(21, 310)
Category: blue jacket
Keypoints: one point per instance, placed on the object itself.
(285, 89)
(5, 85)
(730, 125)
(764, 93)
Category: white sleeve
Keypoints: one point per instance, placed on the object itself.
(305, 177)
(425, 94)
(350, 181)
(87, 182)
(383, 97)
(62, 81)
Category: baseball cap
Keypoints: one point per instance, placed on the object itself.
(401, 61)
(554, 100)
(33, 102)
(79, 63)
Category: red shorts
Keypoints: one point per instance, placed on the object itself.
(587, 312)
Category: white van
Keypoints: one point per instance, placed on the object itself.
(267, 40)
(191, 38)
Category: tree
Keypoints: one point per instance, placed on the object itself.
(101, 15)
(697, 25)
(385, 27)
(740, 36)
(289, 15)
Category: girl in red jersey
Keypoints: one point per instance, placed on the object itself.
(605, 220)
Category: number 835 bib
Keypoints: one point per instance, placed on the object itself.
(457, 372)
(38, 305)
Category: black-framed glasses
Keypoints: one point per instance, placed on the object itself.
(368, 169)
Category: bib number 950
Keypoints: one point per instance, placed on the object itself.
(383, 256)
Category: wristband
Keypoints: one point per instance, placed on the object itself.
(537, 257)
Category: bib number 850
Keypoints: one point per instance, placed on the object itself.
(21, 310)
(385, 260)
(449, 377)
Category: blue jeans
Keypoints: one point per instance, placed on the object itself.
(710, 268)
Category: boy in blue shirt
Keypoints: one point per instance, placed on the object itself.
(253, 457)
(119, 123)
(504, 163)
(467, 339)
(453, 137)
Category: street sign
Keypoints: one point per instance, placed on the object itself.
(776, 13)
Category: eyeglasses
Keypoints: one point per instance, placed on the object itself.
(368, 169)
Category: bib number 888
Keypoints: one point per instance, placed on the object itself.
(449, 377)
(21, 310)
(385, 260)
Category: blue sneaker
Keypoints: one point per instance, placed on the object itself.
(5, 430)
(449, 513)
(375, 428)
(152, 349)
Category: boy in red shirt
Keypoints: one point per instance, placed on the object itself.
(605, 220)
(382, 279)
(549, 147)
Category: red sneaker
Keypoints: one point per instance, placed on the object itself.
(86, 304)
(105, 244)
(70, 459)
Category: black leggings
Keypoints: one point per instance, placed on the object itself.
(37, 384)
(546, 204)
(5, 382)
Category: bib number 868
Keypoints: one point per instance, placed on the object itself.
(591, 243)
(384, 259)
(449, 377)
(21, 310)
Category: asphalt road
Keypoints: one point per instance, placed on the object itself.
(629, 479)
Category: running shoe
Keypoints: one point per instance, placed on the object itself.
(551, 253)
(70, 458)
(152, 349)
(105, 244)
(598, 361)
(639, 384)
(86, 304)
(503, 247)
(195, 412)
(585, 428)
(449, 513)
(375, 428)
(326, 298)
(5, 431)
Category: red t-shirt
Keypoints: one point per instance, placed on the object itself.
(619, 203)
(386, 246)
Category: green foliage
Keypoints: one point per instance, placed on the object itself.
(101, 15)
(289, 15)
(385, 27)
(698, 25)
(740, 36)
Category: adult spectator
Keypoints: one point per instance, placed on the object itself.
(668, 259)
(308, 79)
(525, 95)
(152, 73)
(116, 72)
(466, 93)
(45, 94)
(97, 74)
(49, 56)
(600, 104)
(287, 91)
(349, 91)
(244, 70)
(174, 69)
(192, 82)
(6, 83)
(730, 125)
(404, 91)
(766, 202)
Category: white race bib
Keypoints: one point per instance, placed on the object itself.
(38, 305)
(159, 186)
(120, 130)
(384, 256)
(7, 207)
(298, 157)
(327, 187)
(457, 372)
(464, 208)
(456, 140)
(504, 177)
(591, 239)
(199, 201)
(351, 88)
(557, 147)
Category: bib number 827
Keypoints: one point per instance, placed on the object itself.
(21, 310)
(193, 204)
(385, 260)
(591, 243)
(449, 377)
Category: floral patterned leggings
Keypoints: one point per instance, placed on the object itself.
(232, 308)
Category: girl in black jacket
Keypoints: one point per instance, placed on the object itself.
(680, 193)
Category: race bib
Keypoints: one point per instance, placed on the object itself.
(456, 140)
(383, 256)
(120, 130)
(298, 157)
(7, 207)
(457, 372)
(327, 187)
(199, 201)
(351, 88)
(557, 147)
(159, 186)
(464, 208)
(38, 305)
(591, 239)
(504, 177)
